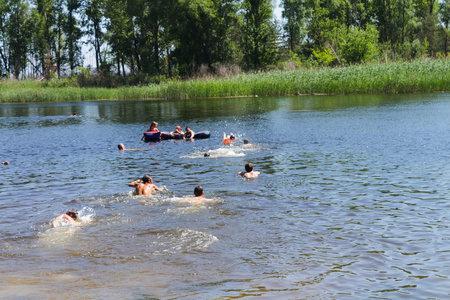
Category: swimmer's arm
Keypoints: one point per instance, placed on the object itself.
(157, 188)
(55, 221)
(64, 216)
(134, 183)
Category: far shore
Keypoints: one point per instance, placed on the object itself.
(407, 77)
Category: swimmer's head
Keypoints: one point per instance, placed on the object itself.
(72, 213)
(121, 146)
(232, 137)
(5, 163)
(153, 125)
(187, 128)
(147, 179)
(206, 154)
(246, 141)
(178, 128)
(198, 191)
(249, 167)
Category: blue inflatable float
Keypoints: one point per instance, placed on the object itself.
(153, 136)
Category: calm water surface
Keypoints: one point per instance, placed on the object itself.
(352, 201)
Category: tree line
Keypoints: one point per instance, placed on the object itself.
(170, 38)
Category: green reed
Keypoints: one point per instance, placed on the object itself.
(407, 77)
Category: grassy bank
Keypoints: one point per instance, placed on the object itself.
(412, 77)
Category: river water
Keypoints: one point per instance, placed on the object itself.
(352, 200)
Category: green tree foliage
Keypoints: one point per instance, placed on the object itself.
(19, 34)
(119, 34)
(360, 45)
(258, 33)
(159, 38)
(296, 13)
(4, 16)
(94, 21)
(73, 34)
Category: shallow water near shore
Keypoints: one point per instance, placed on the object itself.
(352, 200)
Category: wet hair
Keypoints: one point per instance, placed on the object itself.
(121, 146)
(147, 179)
(245, 141)
(232, 137)
(249, 167)
(154, 124)
(198, 191)
(186, 129)
(206, 154)
(72, 213)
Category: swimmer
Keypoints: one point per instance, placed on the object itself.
(228, 139)
(198, 197)
(249, 173)
(206, 154)
(71, 216)
(246, 142)
(122, 147)
(74, 114)
(153, 126)
(5, 163)
(177, 131)
(188, 133)
(145, 186)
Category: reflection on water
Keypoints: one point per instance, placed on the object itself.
(351, 201)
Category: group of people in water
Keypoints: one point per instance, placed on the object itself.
(188, 134)
(145, 186)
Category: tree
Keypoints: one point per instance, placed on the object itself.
(44, 36)
(444, 13)
(360, 45)
(73, 34)
(94, 22)
(296, 14)
(119, 33)
(258, 32)
(4, 49)
(19, 33)
(192, 33)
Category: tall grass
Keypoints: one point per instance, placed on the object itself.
(407, 77)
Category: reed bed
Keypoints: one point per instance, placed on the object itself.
(407, 77)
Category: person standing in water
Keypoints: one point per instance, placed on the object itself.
(145, 186)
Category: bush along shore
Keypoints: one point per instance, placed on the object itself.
(407, 77)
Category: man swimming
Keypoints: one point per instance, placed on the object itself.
(122, 147)
(198, 197)
(249, 173)
(70, 216)
(145, 186)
